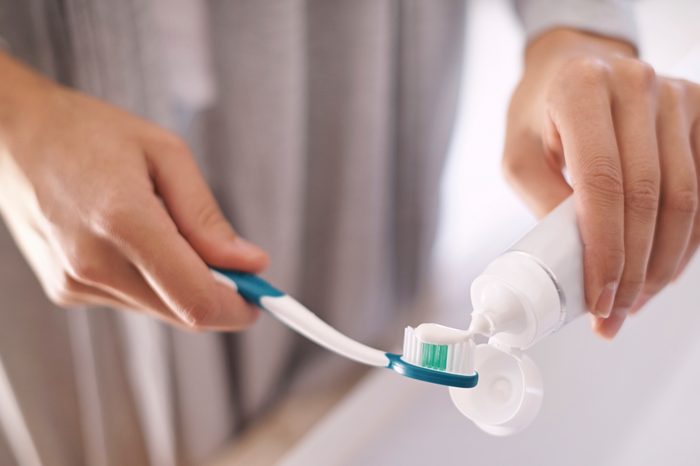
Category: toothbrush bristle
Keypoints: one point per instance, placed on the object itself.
(454, 358)
(434, 356)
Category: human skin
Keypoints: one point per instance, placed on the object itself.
(111, 210)
(629, 140)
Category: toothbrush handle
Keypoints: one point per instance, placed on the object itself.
(251, 287)
(257, 291)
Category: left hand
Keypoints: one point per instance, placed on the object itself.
(630, 141)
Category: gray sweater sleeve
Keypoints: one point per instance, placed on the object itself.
(613, 18)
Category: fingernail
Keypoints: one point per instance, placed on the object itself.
(603, 306)
(202, 317)
(609, 328)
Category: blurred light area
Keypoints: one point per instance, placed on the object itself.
(669, 33)
(476, 201)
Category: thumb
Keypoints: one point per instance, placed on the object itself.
(537, 179)
(196, 213)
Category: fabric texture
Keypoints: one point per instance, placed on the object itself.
(321, 126)
(613, 18)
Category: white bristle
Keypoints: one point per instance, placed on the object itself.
(416, 349)
(470, 357)
(460, 358)
(454, 358)
(451, 357)
(406, 339)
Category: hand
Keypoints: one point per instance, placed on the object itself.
(111, 210)
(630, 141)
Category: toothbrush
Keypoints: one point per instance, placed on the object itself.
(431, 352)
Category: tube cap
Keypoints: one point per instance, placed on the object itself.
(508, 396)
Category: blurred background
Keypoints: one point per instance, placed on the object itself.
(632, 401)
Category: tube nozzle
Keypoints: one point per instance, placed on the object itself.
(481, 325)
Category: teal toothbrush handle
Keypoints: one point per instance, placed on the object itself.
(257, 291)
(251, 287)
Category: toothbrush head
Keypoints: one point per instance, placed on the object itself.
(437, 354)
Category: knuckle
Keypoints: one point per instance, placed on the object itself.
(629, 289)
(586, 71)
(607, 257)
(633, 282)
(112, 221)
(683, 200)
(673, 93)
(615, 261)
(616, 257)
(643, 196)
(85, 270)
(635, 74)
(66, 284)
(209, 216)
(173, 144)
(601, 176)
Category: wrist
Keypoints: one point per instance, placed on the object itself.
(560, 45)
(22, 92)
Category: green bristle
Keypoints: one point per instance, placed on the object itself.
(443, 357)
(434, 356)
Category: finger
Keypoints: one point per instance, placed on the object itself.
(534, 172)
(64, 291)
(609, 327)
(196, 213)
(91, 266)
(583, 118)
(57, 273)
(102, 267)
(693, 245)
(149, 239)
(634, 115)
(76, 294)
(131, 287)
(60, 287)
(640, 302)
(694, 242)
(679, 192)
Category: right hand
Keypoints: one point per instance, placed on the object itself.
(629, 141)
(111, 210)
